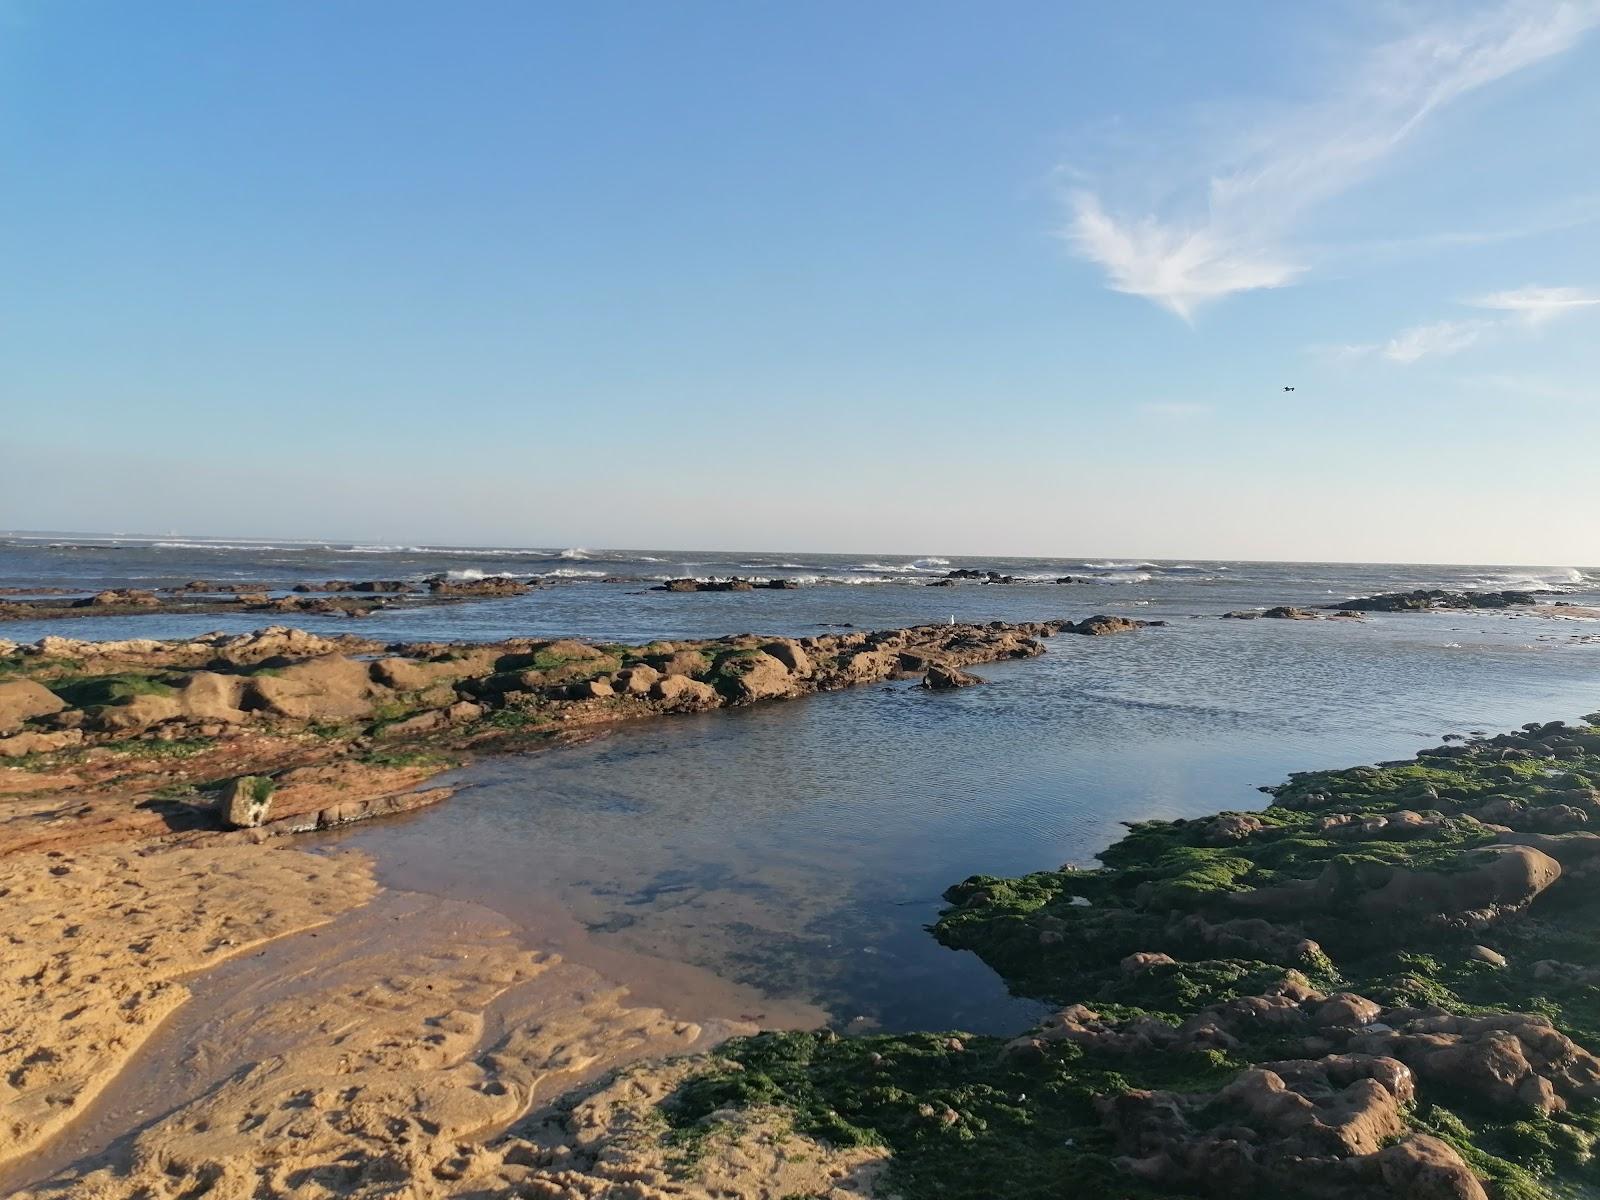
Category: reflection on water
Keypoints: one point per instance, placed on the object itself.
(802, 847)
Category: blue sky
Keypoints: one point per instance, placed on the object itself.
(931, 277)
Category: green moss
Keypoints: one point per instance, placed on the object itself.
(968, 1124)
(94, 691)
(407, 758)
(153, 748)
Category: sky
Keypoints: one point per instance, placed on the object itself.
(927, 277)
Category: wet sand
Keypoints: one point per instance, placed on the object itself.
(318, 1047)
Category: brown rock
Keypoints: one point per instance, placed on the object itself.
(680, 693)
(19, 744)
(22, 700)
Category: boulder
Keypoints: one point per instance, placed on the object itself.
(940, 677)
(332, 688)
(138, 713)
(23, 700)
(245, 802)
(747, 677)
(681, 693)
(682, 662)
(209, 696)
(635, 680)
(791, 654)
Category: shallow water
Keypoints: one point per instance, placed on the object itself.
(802, 847)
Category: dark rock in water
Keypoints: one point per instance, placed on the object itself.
(942, 583)
(724, 585)
(1066, 579)
(1428, 599)
(941, 678)
(119, 597)
(1283, 612)
(963, 573)
(443, 585)
(1099, 626)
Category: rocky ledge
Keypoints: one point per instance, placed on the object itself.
(335, 597)
(1383, 986)
(1430, 599)
(161, 733)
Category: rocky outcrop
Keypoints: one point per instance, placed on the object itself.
(725, 585)
(1428, 599)
(119, 598)
(490, 587)
(1101, 625)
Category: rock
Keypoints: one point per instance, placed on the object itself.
(1425, 599)
(332, 688)
(120, 598)
(682, 662)
(635, 680)
(866, 666)
(209, 696)
(1421, 1167)
(1347, 1009)
(464, 712)
(1099, 626)
(941, 678)
(791, 654)
(443, 585)
(1483, 954)
(680, 693)
(1505, 1060)
(138, 713)
(1142, 960)
(590, 689)
(19, 744)
(422, 722)
(755, 676)
(23, 700)
(245, 802)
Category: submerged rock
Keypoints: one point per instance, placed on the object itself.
(939, 678)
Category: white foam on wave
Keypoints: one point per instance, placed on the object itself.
(572, 573)
(575, 552)
(468, 574)
(1121, 577)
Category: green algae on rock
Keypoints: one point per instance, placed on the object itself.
(1381, 986)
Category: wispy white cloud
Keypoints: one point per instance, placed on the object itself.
(1530, 307)
(1536, 305)
(1237, 234)
(1437, 340)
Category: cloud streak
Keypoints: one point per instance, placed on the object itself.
(1529, 307)
(1236, 235)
